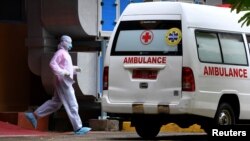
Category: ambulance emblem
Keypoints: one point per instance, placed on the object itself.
(146, 37)
(173, 36)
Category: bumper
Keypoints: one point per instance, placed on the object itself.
(180, 107)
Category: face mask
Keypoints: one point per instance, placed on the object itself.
(70, 46)
(67, 45)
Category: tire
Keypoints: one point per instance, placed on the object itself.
(147, 130)
(225, 115)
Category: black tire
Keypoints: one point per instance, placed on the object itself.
(147, 130)
(225, 115)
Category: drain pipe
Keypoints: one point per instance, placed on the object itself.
(103, 46)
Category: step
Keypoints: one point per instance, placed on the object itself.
(19, 119)
(104, 125)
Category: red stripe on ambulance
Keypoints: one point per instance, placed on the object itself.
(225, 72)
(145, 60)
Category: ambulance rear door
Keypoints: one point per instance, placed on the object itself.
(146, 61)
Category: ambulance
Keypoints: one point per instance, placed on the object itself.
(177, 62)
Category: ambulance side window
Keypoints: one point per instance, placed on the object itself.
(218, 47)
(208, 47)
(248, 40)
(233, 49)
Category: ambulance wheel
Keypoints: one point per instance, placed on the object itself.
(147, 130)
(225, 115)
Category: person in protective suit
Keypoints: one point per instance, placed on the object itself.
(64, 94)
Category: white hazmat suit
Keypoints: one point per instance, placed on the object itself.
(64, 94)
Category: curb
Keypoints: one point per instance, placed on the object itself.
(170, 127)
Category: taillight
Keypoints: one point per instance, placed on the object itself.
(188, 83)
(105, 78)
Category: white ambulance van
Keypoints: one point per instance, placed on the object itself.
(177, 62)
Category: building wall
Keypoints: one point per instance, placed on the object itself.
(14, 71)
(213, 2)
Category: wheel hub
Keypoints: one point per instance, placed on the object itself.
(224, 118)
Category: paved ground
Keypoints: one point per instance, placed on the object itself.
(10, 132)
(105, 136)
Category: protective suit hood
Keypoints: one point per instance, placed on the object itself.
(65, 42)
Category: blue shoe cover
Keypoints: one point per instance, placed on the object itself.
(32, 119)
(82, 131)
